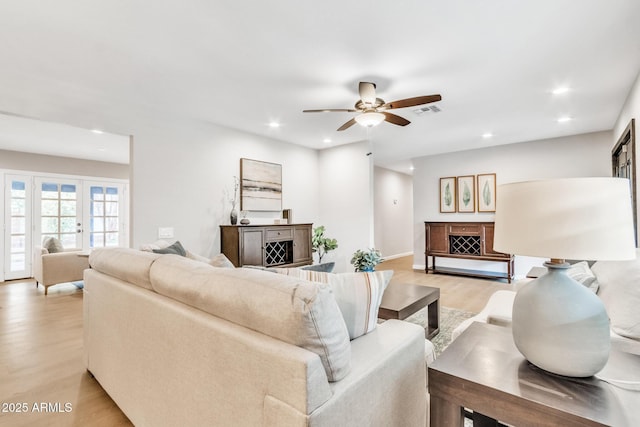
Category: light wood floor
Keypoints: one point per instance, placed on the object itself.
(41, 347)
(463, 293)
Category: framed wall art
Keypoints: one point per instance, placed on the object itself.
(260, 186)
(466, 191)
(487, 192)
(448, 194)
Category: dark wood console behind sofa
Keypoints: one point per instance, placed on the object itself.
(286, 245)
(464, 240)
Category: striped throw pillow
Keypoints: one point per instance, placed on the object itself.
(358, 295)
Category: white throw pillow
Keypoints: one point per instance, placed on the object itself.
(358, 295)
(581, 273)
(158, 244)
(620, 292)
(221, 261)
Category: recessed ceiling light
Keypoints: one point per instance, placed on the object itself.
(327, 141)
(564, 119)
(560, 90)
(487, 135)
(274, 125)
(411, 168)
(98, 131)
(102, 149)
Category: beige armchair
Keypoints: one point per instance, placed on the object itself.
(52, 269)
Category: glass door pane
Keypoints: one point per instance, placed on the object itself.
(58, 211)
(18, 229)
(106, 215)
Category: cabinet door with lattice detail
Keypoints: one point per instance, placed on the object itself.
(278, 253)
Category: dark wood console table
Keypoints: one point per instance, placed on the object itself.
(464, 240)
(483, 371)
(284, 245)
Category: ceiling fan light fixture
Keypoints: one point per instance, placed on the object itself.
(369, 119)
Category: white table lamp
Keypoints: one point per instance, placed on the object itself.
(558, 324)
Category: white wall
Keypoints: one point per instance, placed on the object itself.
(16, 160)
(572, 156)
(393, 212)
(631, 110)
(345, 200)
(182, 171)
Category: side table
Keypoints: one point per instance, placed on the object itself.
(401, 300)
(482, 370)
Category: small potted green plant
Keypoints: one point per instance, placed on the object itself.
(322, 244)
(366, 260)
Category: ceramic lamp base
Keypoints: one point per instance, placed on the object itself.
(561, 326)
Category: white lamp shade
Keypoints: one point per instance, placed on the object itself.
(369, 119)
(570, 218)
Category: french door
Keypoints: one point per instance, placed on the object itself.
(17, 227)
(81, 213)
(104, 213)
(58, 211)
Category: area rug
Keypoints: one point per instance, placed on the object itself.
(450, 318)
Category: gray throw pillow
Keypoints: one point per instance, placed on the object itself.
(53, 245)
(176, 249)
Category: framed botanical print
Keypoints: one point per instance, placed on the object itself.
(466, 191)
(448, 194)
(487, 192)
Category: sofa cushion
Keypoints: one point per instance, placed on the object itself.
(358, 295)
(293, 310)
(52, 245)
(175, 249)
(125, 264)
(620, 292)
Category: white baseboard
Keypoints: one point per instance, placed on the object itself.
(386, 257)
(419, 267)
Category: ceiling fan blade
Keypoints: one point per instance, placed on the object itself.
(347, 125)
(411, 102)
(331, 110)
(396, 120)
(367, 92)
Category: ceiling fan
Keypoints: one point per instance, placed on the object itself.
(374, 110)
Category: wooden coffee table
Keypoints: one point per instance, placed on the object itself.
(483, 371)
(401, 300)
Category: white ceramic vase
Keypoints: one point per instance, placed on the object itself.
(561, 326)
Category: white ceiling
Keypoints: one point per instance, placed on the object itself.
(56, 139)
(107, 64)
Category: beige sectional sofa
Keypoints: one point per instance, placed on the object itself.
(179, 342)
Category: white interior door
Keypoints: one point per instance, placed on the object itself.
(17, 254)
(58, 211)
